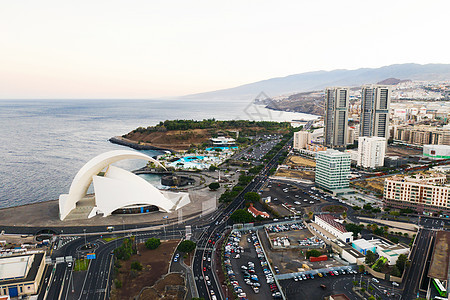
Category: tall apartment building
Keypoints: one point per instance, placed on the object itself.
(301, 139)
(375, 103)
(371, 151)
(420, 192)
(332, 170)
(336, 117)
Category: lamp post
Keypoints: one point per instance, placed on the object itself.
(85, 243)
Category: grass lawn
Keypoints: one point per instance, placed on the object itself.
(81, 264)
(109, 239)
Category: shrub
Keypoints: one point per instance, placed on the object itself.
(118, 283)
(152, 243)
(186, 246)
(214, 186)
(135, 265)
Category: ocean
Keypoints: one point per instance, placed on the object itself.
(43, 143)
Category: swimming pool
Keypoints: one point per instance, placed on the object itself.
(220, 147)
(194, 162)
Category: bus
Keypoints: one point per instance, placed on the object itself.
(440, 287)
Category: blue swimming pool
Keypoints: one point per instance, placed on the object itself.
(221, 147)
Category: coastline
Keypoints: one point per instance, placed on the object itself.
(136, 145)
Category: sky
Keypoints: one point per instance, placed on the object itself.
(152, 49)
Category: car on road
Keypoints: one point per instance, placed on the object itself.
(204, 269)
(69, 264)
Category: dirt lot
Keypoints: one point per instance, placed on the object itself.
(402, 151)
(170, 287)
(308, 175)
(373, 184)
(155, 264)
(300, 161)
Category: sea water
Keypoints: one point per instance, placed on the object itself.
(43, 143)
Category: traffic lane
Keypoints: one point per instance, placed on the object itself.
(416, 267)
(98, 272)
(55, 285)
(45, 281)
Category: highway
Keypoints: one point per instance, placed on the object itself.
(418, 259)
(214, 231)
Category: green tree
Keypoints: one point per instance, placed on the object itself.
(313, 253)
(214, 186)
(371, 297)
(395, 271)
(118, 283)
(252, 197)
(135, 265)
(237, 188)
(242, 216)
(370, 257)
(152, 243)
(186, 246)
(212, 168)
(401, 262)
(361, 268)
(352, 227)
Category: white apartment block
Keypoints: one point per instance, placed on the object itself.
(428, 192)
(328, 223)
(371, 152)
(301, 139)
(332, 169)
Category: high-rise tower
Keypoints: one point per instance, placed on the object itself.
(375, 103)
(336, 117)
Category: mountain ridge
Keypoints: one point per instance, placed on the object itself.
(317, 80)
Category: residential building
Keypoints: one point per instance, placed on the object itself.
(327, 222)
(301, 139)
(336, 117)
(421, 135)
(371, 152)
(436, 151)
(375, 103)
(422, 192)
(255, 212)
(352, 134)
(332, 170)
(21, 275)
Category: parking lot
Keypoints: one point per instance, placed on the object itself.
(288, 199)
(319, 287)
(240, 266)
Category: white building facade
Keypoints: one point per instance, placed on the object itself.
(332, 169)
(328, 223)
(301, 139)
(421, 193)
(371, 151)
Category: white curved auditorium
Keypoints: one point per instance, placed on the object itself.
(117, 188)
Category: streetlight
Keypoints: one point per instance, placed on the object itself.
(85, 237)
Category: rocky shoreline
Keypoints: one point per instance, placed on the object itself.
(136, 145)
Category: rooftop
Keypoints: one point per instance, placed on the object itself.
(330, 220)
(32, 270)
(14, 266)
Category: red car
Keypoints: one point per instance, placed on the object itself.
(204, 269)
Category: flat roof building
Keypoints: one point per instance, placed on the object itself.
(375, 103)
(21, 275)
(332, 170)
(336, 117)
(371, 152)
(422, 192)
